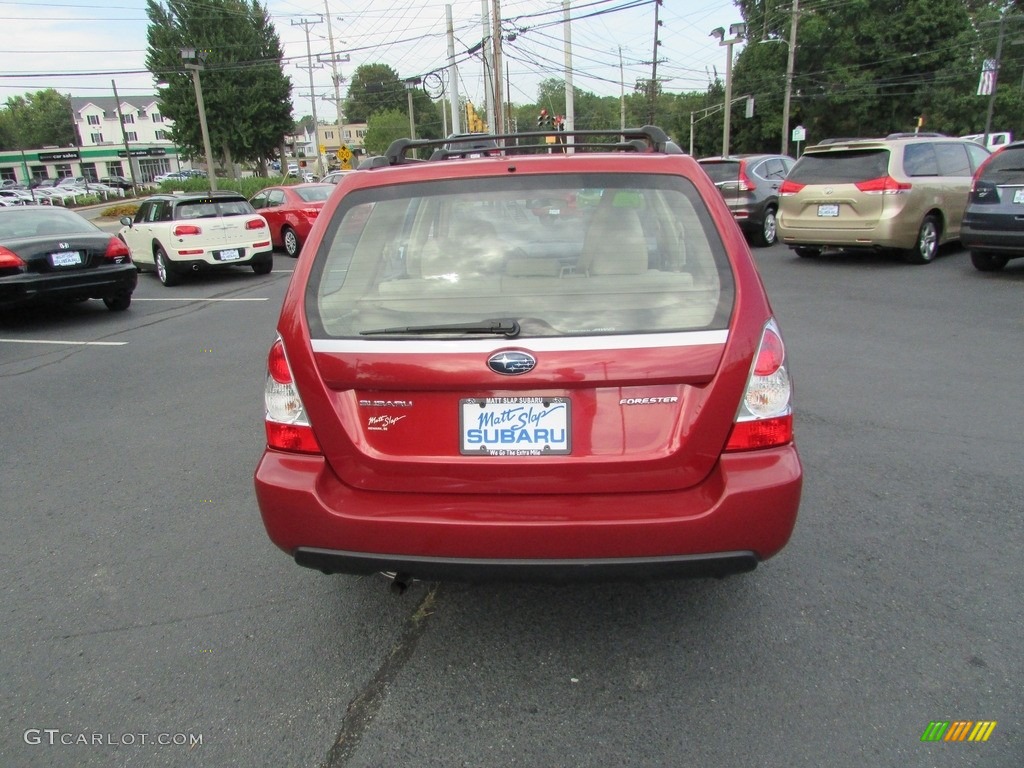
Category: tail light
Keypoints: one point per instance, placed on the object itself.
(117, 251)
(310, 213)
(984, 191)
(765, 417)
(790, 188)
(288, 427)
(10, 259)
(883, 185)
(256, 224)
(744, 183)
(186, 229)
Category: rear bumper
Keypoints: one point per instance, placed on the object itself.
(742, 513)
(719, 565)
(1005, 243)
(99, 282)
(888, 232)
(207, 261)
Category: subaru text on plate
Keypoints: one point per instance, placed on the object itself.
(459, 393)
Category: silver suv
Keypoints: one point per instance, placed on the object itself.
(905, 193)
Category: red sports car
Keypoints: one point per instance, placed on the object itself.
(458, 393)
(290, 211)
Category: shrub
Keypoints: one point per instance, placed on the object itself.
(119, 210)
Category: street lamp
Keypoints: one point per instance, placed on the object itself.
(188, 54)
(736, 32)
(410, 86)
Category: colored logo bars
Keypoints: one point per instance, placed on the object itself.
(958, 730)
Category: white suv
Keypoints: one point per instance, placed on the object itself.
(175, 234)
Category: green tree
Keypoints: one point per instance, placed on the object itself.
(39, 119)
(376, 88)
(246, 94)
(871, 67)
(383, 127)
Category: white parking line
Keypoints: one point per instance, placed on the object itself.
(136, 298)
(71, 343)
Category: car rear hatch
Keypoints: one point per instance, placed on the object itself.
(997, 195)
(224, 225)
(459, 346)
(727, 175)
(839, 188)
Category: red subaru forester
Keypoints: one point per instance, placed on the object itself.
(553, 363)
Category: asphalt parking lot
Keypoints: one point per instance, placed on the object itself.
(142, 599)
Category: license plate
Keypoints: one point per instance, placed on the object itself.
(514, 426)
(65, 258)
(1018, 195)
(229, 255)
(828, 209)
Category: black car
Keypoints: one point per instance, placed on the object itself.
(750, 185)
(117, 181)
(993, 224)
(48, 253)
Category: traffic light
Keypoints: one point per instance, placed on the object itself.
(543, 119)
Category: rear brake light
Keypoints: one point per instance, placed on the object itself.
(255, 224)
(745, 184)
(310, 213)
(883, 185)
(288, 428)
(981, 191)
(765, 417)
(186, 229)
(790, 188)
(9, 259)
(117, 251)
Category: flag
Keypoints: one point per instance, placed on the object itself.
(987, 83)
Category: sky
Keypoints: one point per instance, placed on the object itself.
(79, 47)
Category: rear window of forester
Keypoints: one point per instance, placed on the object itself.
(563, 255)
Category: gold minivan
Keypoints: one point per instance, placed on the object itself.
(905, 193)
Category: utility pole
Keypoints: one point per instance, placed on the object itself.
(188, 54)
(570, 93)
(790, 60)
(124, 135)
(453, 73)
(654, 66)
(336, 77)
(486, 52)
(736, 31)
(622, 94)
(995, 81)
(305, 24)
(499, 110)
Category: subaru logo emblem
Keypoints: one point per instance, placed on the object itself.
(511, 363)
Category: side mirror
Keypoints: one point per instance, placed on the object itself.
(126, 221)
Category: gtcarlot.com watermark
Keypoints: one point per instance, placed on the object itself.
(56, 737)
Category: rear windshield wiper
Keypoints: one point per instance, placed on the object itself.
(508, 328)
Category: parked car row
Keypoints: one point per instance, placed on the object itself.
(60, 191)
(906, 193)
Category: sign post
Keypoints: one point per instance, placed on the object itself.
(799, 135)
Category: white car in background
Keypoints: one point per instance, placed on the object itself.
(176, 234)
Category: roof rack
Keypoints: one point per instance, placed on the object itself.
(649, 138)
(921, 135)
